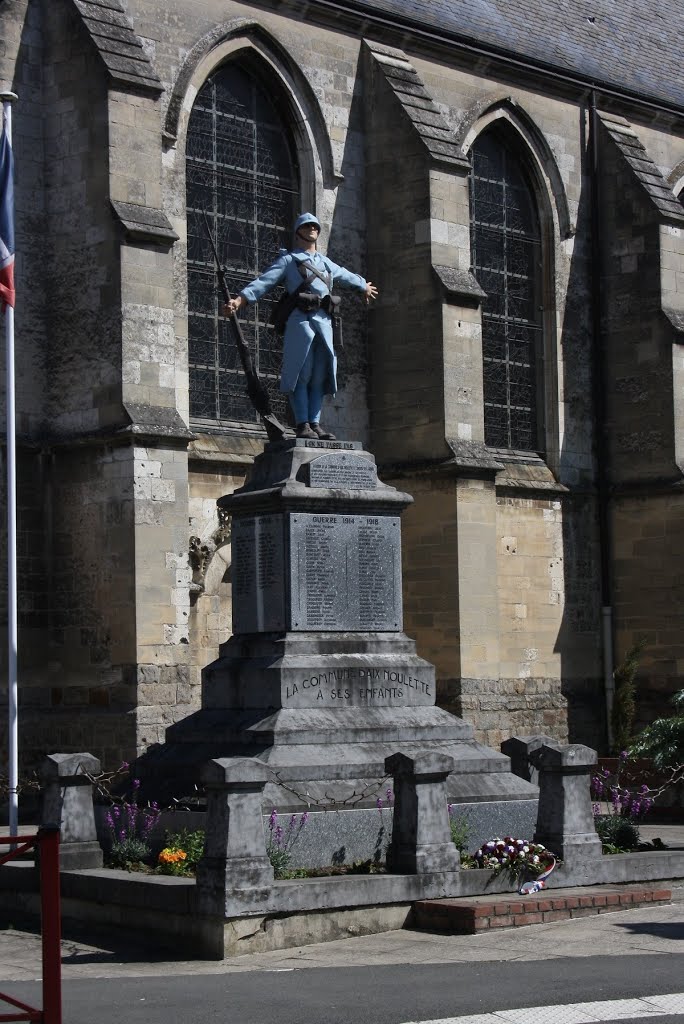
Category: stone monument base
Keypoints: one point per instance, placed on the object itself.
(319, 681)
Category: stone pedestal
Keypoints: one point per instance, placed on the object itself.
(234, 851)
(519, 749)
(319, 680)
(421, 838)
(67, 801)
(565, 822)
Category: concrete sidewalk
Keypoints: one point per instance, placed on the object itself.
(106, 953)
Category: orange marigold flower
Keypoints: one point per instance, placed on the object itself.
(171, 856)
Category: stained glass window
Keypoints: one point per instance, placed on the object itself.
(506, 253)
(241, 169)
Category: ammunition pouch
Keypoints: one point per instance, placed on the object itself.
(309, 302)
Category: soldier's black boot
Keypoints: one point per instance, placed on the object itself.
(323, 435)
(304, 430)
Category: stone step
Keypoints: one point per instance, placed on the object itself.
(480, 913)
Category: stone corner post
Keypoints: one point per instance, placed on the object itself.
(67, 801)
(234, 850)
(519, 749)
(421, 838)
(565, 820)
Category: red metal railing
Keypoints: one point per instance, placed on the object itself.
(46, 843)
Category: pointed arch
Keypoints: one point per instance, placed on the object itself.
(242, 173)
(515, 119)
(520, 329)
(248, 40)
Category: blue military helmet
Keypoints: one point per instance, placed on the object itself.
(306, 218)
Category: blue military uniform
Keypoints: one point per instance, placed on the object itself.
(308, 335)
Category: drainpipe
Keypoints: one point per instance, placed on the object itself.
(602, 453)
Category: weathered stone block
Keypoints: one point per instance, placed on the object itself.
(421, 838)
(565, 821)
(234, 852)
(67, 801)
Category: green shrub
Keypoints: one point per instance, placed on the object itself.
(617, 834)
(127, 851)
(460, 833)
(663, 740)
(624, 700)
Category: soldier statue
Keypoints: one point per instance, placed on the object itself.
(306, 312)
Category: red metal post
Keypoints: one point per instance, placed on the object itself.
(51, 924)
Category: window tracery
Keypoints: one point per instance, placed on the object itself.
(241, 168)
(507, 260)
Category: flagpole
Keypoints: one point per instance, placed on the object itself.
(7, 100)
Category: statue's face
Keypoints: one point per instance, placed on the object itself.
(308, 233)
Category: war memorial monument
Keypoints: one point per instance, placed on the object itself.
(319, 681)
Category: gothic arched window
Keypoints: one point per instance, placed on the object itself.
(507, 261)
(242, 170)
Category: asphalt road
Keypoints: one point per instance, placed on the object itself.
(388, 994)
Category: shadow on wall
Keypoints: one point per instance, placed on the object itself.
(579, 637)
(347, 247)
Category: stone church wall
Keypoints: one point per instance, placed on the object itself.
(124, 562)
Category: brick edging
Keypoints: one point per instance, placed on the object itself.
(478, 914)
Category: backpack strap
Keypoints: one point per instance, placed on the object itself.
(325, 278)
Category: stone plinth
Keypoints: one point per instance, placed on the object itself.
(519, 749)
(319, 680)
(316, 543)
(234, 851)
(67, 801)
(421, 837)
(565, 822)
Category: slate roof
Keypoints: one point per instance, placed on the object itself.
(630, 45)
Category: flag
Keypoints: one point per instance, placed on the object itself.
(6, 221)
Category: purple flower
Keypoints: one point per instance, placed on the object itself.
(378, 803)
(623, 755)
(596, 809)
(278, 836)
(273, 820)
(390, 795)
(305, 818)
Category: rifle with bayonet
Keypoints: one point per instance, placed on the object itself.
(255, 389)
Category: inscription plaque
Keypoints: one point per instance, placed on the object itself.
(352, 472)
(345, 572)
(356, 686)
(258, 574)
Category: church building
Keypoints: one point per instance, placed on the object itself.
(510, 175)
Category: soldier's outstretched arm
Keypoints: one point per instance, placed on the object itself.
(259, 287)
